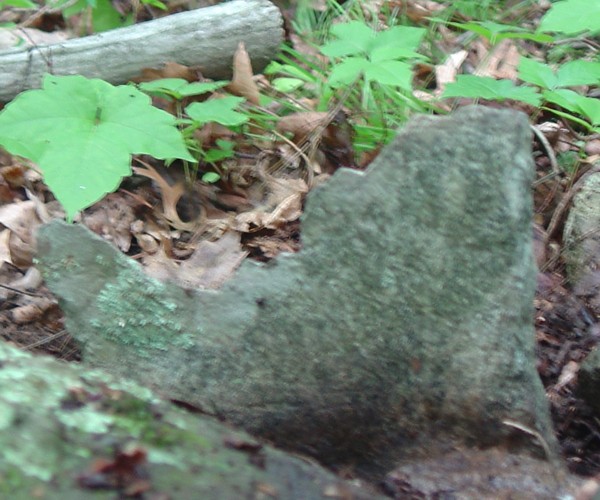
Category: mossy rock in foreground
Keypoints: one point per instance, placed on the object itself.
(71, 433)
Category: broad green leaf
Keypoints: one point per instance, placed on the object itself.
(570, 74)
(287, 84)
(218, 110)
(579, 73)
(537, 73)
(343, 48)
(590, 108)
(395, 73)
(21, 4)
(211, 177)
(572, 16)
(565, 98)
(223, 150)
(105, 17)
(348, 71)
(397, 42)
(355, 37)
(82, 134)
(576, 103)
(487, 88)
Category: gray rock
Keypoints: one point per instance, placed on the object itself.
(402, 328)
(582, 242)
(59, 422)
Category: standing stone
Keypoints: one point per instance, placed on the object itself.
(402, 328)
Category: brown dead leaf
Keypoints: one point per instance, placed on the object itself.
(33, 311)
(170, 196)
(501, 62)
(22, 221)
(242, 83)
(112, 218)
(283, 204)
(14, 175)
(168, 70)
(300, 125)
(446, 73)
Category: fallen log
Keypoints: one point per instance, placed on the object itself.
(204, 38)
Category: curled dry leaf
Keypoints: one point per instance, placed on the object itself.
(283, 204)
(300, 125)
(242, 83)
(31, 312)
(168, 70)
(22, 221)
(170, 196)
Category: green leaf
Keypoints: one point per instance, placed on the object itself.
(211, 177)
(579, 73)
(348, 71)
(105, 17)
(218, 110)
(537, 73)
(82, 133)
(287, 84)
(480, 87)
(395, 73)
(564, 98)
(572, 101)
(355, 38)
(223, 150)
(20, 4)
(570, 74)
(399, 42)
(572, 16)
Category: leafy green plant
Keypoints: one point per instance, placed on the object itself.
(370, 70)
(554, 83)
(195, 115)
(569, 16)
(377, 57)
(82, 134)
(572, 17)
(479, 87)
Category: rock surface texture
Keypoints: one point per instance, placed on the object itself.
(71, 433)
(402, 328)
(582, 242)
